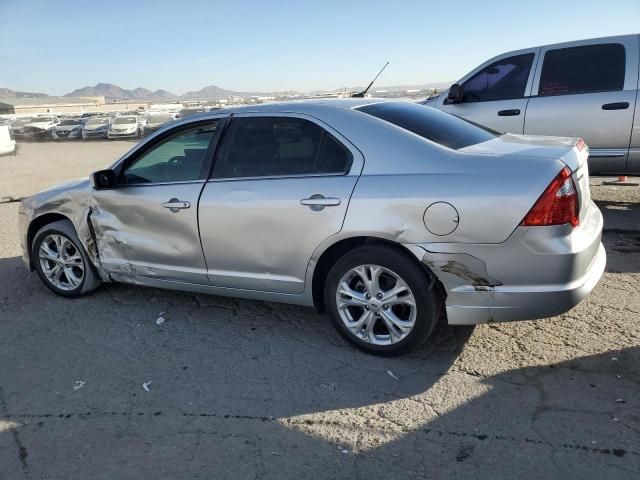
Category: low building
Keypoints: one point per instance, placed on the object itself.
(58, 105)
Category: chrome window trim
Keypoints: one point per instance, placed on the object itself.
(278, 177)
(184, 182)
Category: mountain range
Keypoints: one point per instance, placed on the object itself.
(115, 93)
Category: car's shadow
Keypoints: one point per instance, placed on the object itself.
(244, 389)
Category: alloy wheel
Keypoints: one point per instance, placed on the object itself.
(61, 262)
(376, 304)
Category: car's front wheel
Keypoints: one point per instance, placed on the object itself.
(381, 300)
(61, 262)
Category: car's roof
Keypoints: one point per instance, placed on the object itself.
(293, 106)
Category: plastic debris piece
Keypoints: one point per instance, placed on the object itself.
(619, 400)
(78, 385)
(614, 359)
(160, 319)
(616, 419)
(276, 454)
(392, 375)
(345, 451)
(145, 385)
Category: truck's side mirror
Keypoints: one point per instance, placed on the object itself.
(456, 92)
(103, 179)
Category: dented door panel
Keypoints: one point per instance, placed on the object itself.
(137, 237)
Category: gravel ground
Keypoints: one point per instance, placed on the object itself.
(246, 389)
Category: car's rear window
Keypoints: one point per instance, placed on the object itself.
(439, 127)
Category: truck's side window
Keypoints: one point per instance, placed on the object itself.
(502, 80)
(584, 69)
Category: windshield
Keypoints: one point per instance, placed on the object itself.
(125, 120)
(439, 127)
(98, 121)
(69, 122)
(159, 118)
(41, 119)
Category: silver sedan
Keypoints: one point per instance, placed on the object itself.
(389, 216)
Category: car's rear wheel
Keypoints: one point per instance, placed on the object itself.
(381, 300)
(61, 261)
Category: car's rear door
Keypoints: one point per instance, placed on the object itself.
(281, 184)
(148, 225)
(588, 89)
(496, 93)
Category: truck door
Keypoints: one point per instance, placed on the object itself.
(588, 89)
(496, 94)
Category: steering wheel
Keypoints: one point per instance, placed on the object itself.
(176, 162)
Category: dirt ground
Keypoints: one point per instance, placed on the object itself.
(246, 389)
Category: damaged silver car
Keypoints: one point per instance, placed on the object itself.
(389, 216)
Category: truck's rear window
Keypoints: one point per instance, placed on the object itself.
(439, 127)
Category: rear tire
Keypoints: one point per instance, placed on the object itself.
(61, 261)
(384, 285)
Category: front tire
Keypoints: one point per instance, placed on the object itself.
(381, 300)
(61, 261)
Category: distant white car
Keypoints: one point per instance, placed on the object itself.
(95, 127)
(17, 127)
(124, 127)
(67, 128)
(7, 143)
(157, 120)
(40, 127)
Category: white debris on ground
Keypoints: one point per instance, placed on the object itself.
(145, 385)
(78, 385)
(160, 319)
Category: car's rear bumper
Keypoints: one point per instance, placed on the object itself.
(538, 272)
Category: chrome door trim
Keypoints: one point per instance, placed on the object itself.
(608, 152)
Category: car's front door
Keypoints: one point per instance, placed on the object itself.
(497, 94)
(148, 225)
(280, 187)
(588, 89)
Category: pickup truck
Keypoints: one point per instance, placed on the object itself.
(585, 88)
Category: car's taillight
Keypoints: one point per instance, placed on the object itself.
(558, 204)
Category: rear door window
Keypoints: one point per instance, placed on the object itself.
(505, 79)
(583, 69)
(279, 146)
(434, 125)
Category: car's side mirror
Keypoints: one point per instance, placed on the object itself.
(456, 92)
(103, 179)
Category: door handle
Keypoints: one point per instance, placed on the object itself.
(509, 113)
(616, 106)
(317, 202)
(175, 205)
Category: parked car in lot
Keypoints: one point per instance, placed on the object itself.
(586, 88)
(68, 128)
(17, 127)
(124, 127)
(7, 142)
(40, 128)
(388, 215)
(95, 127)
(156, 121)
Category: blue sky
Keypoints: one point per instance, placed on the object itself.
(57, 46)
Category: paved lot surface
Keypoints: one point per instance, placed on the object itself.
(244, 389)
